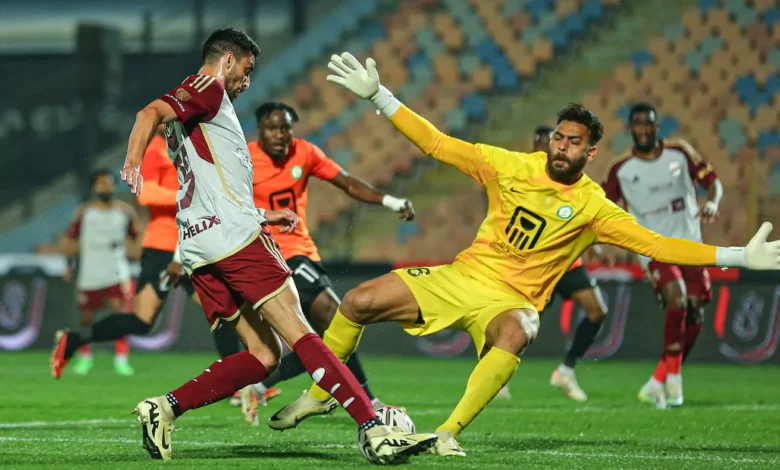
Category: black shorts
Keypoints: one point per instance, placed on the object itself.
(575, 280)
(153, 266)
(310, 279)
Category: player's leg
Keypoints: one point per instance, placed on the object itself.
(699, 290)
(85, 360)
(505, 338)
(386, 298)
(578, 286)
(149, 297)
(121, 301)
(670, 289)
(222, 378)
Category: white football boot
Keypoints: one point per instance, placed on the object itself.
(156, 418)
(304, 407)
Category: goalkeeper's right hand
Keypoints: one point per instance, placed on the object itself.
(362, 81)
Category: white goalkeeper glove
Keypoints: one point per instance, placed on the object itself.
(759, 254)
(362, 81)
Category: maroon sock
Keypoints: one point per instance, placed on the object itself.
(691, 333)
(674, 338)
(331, 375)
(221, 380)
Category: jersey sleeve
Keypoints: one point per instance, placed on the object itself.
(466, 157)
(698, 167)
(614, 226)
(611, 184)
(321, 166)
(198, 99)
(74, 228)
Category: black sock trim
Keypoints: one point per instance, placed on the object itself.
(174, 404)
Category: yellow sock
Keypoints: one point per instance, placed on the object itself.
(492, 373)
(341, 337)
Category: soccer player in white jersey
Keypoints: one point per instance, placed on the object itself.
(657, 181)
(230, 255)
(98, 233)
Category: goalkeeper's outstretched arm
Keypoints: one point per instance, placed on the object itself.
(364, 82)
(626, 233)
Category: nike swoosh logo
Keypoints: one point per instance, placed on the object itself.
(515, 191)
(165, 445)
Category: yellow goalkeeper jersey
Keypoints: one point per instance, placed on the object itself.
(535, 227)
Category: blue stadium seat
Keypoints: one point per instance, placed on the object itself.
(513, 7)
(773, 57)
(575, 23)
(456, 120)
(668, 126)
(772, 16)
(706, 5)
(406, 231)
(710, 44)
(330, 128)
(474, 105)
(420, 58)
(694, 60)
(732, 134)
(767, 139)
(343, 156)
(593, 10)
(537, 8)
(623, 112)
(640, 59)
(773, 85)
(559, 37)
(674, 32)
(746, 87)
(468, 62)
(373, 31)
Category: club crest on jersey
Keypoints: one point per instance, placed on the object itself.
(675, 169)
(296, 172)
(564, 212)
(183, 95)
(244, 157)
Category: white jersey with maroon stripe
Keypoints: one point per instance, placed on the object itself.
(102, 254)
(215, 213)
(661, 193)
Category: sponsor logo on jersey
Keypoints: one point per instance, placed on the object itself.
(183, 95)
(203, 224)
(675, 169)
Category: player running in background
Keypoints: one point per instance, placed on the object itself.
(282, 168)
(99, 233)
(543, 214)
(657, 181)
(577, 285)
(230, 255)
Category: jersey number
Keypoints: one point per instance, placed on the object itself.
(525, 228)
(186, 179)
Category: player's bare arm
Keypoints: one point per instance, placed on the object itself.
(362, 191)
(146, 122)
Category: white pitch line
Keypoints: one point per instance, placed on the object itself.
(86, 422)
(553, 453)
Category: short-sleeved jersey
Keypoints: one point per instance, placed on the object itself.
(215, 213)
(661, 193)
(536, 228)
(285, 184)
(101, 235)
(161, 185)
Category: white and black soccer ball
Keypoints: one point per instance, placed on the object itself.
(391, 416)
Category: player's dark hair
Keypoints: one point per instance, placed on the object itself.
(228, 39)
(265, 109)
(580, 114)
(643, 108)
(98, 173)
(542, 130)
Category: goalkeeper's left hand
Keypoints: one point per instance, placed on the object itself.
(761, 254)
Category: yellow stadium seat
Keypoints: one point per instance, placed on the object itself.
(693, 21)
(542, 50)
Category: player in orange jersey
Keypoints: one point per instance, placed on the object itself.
(283, 165)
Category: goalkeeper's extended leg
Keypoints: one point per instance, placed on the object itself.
(507, 336)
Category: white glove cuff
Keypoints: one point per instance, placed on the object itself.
(731, 257)
(176, 255)
(385, 102)
(711, 207)
(393, 203)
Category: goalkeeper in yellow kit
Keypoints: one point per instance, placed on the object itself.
(543, 213)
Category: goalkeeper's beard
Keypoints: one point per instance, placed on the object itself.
(569, 173)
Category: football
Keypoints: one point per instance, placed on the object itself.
(392, 416)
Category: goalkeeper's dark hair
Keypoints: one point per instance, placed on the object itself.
(578, 113)
(98, 173)
(228, 39)
(643, 108)
(265, 109)
(542, 130)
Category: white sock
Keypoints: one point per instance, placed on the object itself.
(674, 379)
(85, 356)
(260, 388)
(120, 359)
(565, 370)
(653, 382)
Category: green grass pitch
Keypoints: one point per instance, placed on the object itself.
(731, 419)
